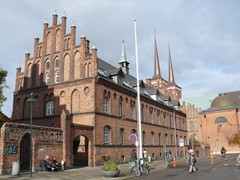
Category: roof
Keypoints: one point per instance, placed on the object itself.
(106, 71)
(224, 100)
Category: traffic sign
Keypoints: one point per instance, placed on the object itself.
(133, 138)
(181, 142)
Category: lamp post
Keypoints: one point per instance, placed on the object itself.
(31, 99)
(165, 138)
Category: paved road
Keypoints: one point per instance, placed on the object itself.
(223, 169)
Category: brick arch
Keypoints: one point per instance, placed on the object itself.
(77, 65)
(49, 42)
(58, 39)
(75, 101)
(66, 67)
(26, 106)
(82, 151)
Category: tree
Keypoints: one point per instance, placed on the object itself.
(235, 139)
(3, 84)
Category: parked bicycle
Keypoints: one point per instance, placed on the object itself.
(139, 168)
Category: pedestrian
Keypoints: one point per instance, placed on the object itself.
(197, 153)
(223, 152)
(133, 155)
(145, 154)
(169, 156)
(191, 161)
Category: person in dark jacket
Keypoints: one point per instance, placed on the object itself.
(133, 155)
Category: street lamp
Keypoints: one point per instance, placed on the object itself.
(31, 99)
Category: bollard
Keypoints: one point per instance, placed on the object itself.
(62, 164)
(174, 161)
(212, 160)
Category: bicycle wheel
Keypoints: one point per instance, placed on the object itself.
(136, 171)
(145, 170)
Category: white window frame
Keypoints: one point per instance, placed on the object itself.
(47, 78)
(50, 108)
(106, 135)
(105, 105)
(57, 77)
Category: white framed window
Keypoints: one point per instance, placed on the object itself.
(57, 77)
(106, 135)
(50, 108)
(47, 78)
(105, 105)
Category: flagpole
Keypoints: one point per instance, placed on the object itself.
(138, 97)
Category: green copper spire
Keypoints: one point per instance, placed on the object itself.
(123, 62)
(123, 55)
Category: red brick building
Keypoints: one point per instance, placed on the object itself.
(85, 107)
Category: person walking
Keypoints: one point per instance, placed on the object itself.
(223, 152)
(192, 161)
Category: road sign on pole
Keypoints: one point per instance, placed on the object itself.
(133, 138)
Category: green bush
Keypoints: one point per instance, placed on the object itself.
(111, 166)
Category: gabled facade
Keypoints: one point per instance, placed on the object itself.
(90, 103)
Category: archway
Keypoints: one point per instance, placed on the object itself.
(25, 152)
(80, 151)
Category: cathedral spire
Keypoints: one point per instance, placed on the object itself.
(157, 72)
(170, 66)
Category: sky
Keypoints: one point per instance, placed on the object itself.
(203, 36)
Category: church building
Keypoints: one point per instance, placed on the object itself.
(83, 108)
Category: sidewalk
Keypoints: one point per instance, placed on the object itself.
(84, 173)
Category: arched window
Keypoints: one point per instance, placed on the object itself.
(152, 138)
(106, 102)
(121, 136)
(57, 63)
(106, 135)
(221, 120)
(47, 65)
(158, 118)
(132, 109)
(50, 108)
(120, 110)
(151, 115)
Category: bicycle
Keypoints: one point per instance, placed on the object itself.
(140, 168)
